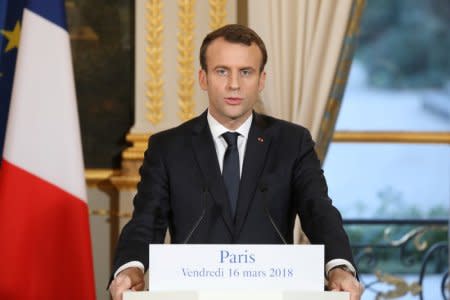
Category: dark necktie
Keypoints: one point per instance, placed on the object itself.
(230, 173)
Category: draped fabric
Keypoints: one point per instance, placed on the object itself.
(44, 232)
(304, 40)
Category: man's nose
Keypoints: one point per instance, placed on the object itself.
(233, 81)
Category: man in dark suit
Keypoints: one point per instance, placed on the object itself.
(232, 175)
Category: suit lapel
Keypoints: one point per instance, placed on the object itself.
(254, 160)
(204, 149)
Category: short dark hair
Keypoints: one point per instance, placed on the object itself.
(233, 33)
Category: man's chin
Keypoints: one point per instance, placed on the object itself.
(237, 116)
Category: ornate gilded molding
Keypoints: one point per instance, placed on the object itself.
(186, 59)
(217, 13)
(405, 249)
(401, 287)
(139, 145)
(110, 181)
(125, 182)
(154, 86)
(102, 178)
(132, 159)
(416, 235)
(392, 137)
(420, 242)
(95, 176)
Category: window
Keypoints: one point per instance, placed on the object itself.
(399, 84)
(388, 166)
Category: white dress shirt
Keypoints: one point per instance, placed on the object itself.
(221, 145)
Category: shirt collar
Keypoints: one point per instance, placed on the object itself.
(218, 129)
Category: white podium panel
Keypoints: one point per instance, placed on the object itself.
(236, 295)
(236, 268)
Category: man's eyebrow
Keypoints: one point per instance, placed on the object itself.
(221, 67)
(241, 68)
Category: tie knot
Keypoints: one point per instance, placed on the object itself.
(231, 138)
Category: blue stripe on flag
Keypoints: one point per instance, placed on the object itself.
(10, 16)
(52, 10)
(3, 10)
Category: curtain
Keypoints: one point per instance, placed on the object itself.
(308, 61)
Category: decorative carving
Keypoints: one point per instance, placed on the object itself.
(154, 86)
(217, 13)
(139, 145)
(186, 59)
(401, 287)
(420, 247)
(415, 234)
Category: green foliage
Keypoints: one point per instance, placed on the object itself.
(404, 44)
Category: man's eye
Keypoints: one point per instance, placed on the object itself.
(246, 72)
(221, 72)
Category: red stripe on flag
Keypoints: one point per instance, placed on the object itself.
(45, 246)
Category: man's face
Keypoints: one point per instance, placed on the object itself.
(233, 81)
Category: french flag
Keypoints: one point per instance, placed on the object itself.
(45, 245)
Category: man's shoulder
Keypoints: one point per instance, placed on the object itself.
(273, 122)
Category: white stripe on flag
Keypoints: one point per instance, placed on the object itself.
(43, 135)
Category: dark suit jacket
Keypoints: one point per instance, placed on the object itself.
(181, 180)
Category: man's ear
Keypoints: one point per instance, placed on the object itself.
(203, 81)
(262, 81)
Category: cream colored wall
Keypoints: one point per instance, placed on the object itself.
(100, 233)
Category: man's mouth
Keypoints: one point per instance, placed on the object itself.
(233, 100)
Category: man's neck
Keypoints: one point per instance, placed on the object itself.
(232, 124)
(218, 128)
